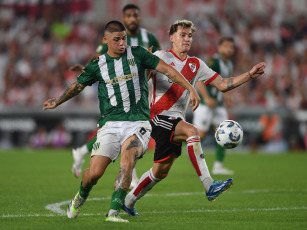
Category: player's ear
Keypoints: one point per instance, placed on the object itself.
(105, 40)
(171, 38)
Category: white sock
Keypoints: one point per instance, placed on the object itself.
(134, 176)
(197, 158)
(146, 182)
(83, 150)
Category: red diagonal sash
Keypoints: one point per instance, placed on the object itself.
(175, 91)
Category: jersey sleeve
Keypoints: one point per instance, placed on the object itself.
(154, 42)
(102, 48)
(205, 73)
(88, 75)
(149, 60)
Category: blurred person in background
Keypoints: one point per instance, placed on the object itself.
(211, 112)
(136, 36)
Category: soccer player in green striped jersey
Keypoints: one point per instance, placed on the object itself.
(124, 122)
(212, 111)
(136, 36)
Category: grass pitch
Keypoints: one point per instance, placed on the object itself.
(269, 192)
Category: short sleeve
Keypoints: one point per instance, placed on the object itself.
(88, 75)
(205, 73)
(149, 60)
(102, 48)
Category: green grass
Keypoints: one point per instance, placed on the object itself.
(269, 192)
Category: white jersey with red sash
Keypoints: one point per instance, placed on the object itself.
(171, 99)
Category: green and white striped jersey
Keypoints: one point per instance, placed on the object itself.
(123, 87)
(224, 69)
(144, 38)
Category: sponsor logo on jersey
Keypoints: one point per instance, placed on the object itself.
(172, 64)
(131, 61)
(192, 67)
(119, 79)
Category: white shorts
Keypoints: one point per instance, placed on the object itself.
(204, 117)
(113, 134)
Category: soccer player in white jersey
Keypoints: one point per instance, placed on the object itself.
(124, 107)
(136, 36)
(167, 115)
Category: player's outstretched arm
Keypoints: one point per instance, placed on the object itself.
(74, 89)
(177, 77)
(226, 84)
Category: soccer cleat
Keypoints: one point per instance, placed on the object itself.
(78, 162)
(74, 206)
(217, 188)
(130, 211)
(116, 218)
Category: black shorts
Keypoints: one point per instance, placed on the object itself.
(163, 129)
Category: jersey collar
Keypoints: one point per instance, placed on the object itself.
(177, 56)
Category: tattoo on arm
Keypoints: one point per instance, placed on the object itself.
(70, 92)
(172, 77)
(230, 84)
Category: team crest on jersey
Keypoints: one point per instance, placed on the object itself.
(192, 67)
(131, 61)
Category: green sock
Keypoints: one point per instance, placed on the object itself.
(89, 144)
(84, 192)
(118, 198)
(219, 153)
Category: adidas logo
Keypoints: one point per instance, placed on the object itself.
(172, 64)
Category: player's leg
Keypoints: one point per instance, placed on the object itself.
(220, 152)
(105, 150)
(202, 118)
(163, 128)
(147, 181)
(188, 132)
(79, 155)
(133, 147)
(89, 179)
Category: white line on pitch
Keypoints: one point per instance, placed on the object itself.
(56, 207)
(170, 211)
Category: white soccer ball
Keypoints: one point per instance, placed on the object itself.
(229, 134)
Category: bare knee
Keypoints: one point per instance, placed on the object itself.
(192, 131)
(160, 173)
(94, 176)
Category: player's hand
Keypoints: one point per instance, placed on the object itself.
(50, 104)
(150, 49)
(212, 103)
(257, 70)
(77, 68)
(195, 99)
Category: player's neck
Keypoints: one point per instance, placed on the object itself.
(181, 55)
(224, 58)
(112, 54)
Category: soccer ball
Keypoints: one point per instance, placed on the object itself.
(229, 134)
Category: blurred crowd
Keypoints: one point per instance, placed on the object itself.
(40, 40)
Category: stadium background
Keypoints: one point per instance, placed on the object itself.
(41, 39)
